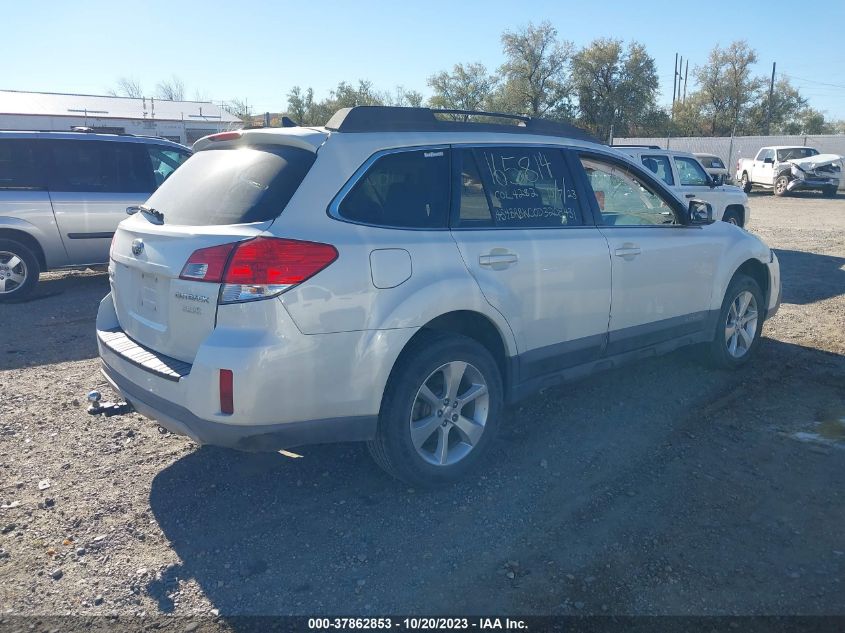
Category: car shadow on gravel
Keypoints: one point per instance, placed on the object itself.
(327, 532)
(810, 277)
(56, 323)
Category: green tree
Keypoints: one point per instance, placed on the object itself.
(467, 87)
(727, 88)
(786, 106)
(535, 79)
(616, 87)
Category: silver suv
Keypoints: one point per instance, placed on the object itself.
(396, 278)
(62, 195)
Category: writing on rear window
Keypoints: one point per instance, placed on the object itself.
(528, 186)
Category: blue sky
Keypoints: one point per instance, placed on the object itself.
(259, 50)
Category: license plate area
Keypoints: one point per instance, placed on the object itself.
(150, 297)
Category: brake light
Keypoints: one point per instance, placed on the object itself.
(227, 391)
(207, 264)
(258, 268)
(225, 136)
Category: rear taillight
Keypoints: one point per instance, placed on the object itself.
(258, 268)
(227, 391)
(207, 264)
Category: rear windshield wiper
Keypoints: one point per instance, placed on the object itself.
(149, 212)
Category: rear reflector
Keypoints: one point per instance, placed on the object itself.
(227, 397)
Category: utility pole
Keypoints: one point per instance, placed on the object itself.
(771, 95)
(674, 83)
(686, 72)
(680, 68)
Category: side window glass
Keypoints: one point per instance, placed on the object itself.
(19, 165)
(100, 167)
(622, 196)
(475, 208)
(690, 172)
(404, 190)
(528, 187)
(660, 167)
(164, 162)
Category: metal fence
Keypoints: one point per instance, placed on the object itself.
(730, 149)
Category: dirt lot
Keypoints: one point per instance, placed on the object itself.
(662, 488)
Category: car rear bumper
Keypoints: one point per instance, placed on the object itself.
(269, 437)
(289, 388)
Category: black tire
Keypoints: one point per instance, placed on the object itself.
(829, 192)
(28, 266)
(745, 183)
(393, 449)
(732, 217)
(717, 352)
(779, 188)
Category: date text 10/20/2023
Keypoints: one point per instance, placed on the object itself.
(414, 624)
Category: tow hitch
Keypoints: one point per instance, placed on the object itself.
(107, 409)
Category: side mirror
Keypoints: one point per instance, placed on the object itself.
(769, 161)
(715, 181)
(700, 212)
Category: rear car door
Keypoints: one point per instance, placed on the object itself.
(518, 225)
(24, 201)
(92, 182)
(662, 269)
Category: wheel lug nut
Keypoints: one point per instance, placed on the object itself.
(455, 418)
(440, 413)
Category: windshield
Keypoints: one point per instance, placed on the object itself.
(792, 153)
(232, 186)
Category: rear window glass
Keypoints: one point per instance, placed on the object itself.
(404, 190)
(19, 165)
(232, 186)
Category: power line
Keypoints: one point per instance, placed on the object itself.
(813, 81)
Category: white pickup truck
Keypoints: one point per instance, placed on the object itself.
(684, 174)
(783, 169)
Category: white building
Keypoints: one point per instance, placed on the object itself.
(180, 121)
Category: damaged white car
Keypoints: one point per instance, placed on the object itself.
(784, 169)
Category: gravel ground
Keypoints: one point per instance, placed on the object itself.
(661, 488)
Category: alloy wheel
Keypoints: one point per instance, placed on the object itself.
(12, 272)
(741, 324)
(449, 413)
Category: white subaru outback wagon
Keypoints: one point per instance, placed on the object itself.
(396, 278)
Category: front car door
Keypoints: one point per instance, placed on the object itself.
(538, 261)
(692, 177)
(92, 182)
(662, 269)
(763, 169)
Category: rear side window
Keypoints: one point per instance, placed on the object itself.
(20, 165)
(660, 167)
(402, 190)
(516, 187)
(232, 186)
(100, 167)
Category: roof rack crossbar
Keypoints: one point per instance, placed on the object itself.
(401, 119)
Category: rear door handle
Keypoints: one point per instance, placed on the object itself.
(498, 259)
(690, 195)
(627, 251)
